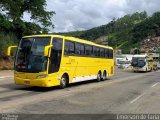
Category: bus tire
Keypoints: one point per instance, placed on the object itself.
(63, 82)
(99, 76)
(104, 77)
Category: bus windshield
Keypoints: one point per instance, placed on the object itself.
(30, 54)
(138, 61)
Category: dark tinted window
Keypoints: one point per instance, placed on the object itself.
(107, 53)
(82, 49)
(57, 44)
(88, 50)
(69, 48)
(110, 53)
(102, 52)
(96, 51)
(79, 49)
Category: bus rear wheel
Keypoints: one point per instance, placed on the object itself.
(104, 77)
(99, 77)
(63, 82)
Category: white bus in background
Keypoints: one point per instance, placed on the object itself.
(142, 63)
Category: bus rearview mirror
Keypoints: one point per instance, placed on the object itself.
(46, 50)
(10, 49)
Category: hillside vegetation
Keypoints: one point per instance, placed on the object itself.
(126, 32)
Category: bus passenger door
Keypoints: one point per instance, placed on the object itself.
(55, 57)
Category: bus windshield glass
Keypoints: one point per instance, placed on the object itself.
(138, 61)
(30, 55)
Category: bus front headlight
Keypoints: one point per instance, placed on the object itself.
(42, 76)
(16, 75)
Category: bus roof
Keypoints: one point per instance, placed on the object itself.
(70, 38)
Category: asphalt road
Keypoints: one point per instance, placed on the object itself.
(126, 92)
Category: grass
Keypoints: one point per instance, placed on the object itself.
(6, 69)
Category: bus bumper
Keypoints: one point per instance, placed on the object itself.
(41, 82)
(139, 69)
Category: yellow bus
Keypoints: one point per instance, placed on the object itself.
(55, 60)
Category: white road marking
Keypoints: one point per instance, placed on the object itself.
(155, 84)
(134, 100)
(4, 77)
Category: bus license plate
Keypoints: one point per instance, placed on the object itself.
(27, 82)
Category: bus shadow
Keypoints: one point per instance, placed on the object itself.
(56, 88)
(141, 72)
(39, 89)
(12, 86)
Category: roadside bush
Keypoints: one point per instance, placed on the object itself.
(6, 39)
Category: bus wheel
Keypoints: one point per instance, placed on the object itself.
(104, 77)
(63, 82)
(99, 77)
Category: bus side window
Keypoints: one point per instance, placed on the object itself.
(82, 49)
(88, 50)
(107, 53)
(110, 54)
(66, 48)
(96, 51)
(78, 49)
(102, 52)
(69, 48)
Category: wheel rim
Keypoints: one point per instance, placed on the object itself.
(63, 82)
(99, 76)
(104, 76)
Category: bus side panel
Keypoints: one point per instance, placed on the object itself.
(68, 65)
(89, 67)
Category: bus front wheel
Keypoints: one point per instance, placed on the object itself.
(63, 82)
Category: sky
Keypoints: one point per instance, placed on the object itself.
(76, 15)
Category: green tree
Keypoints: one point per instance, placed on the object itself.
(37, 8)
